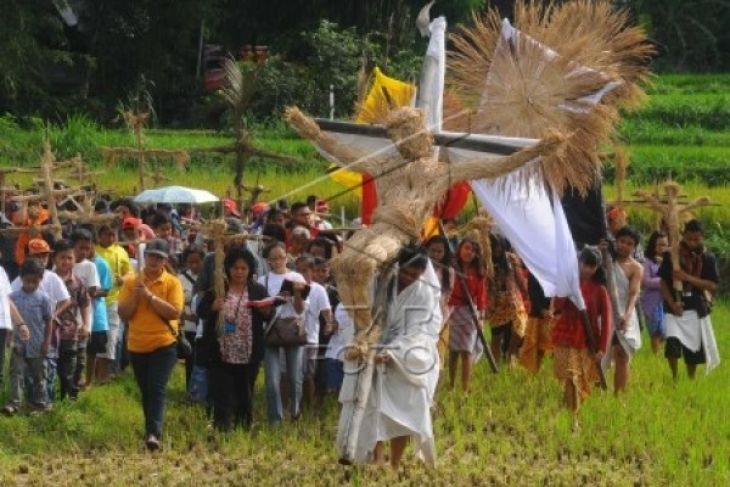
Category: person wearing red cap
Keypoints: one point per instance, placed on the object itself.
(230, 208)
(259, 208)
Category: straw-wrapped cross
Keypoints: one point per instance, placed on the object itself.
(672, 210)
(136, 121)
(217, 230)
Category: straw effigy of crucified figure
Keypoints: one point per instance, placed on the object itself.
(408, 184)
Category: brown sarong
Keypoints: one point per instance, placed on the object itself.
(577, 366)
(537, 339)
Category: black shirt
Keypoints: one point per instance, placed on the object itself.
(692, 297)
(538, 301)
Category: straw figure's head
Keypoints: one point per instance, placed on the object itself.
(406, 126)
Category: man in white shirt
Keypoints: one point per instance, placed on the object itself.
(8, 315)
(86, 271)
(316, 304)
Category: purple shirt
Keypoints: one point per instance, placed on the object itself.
(651, 282)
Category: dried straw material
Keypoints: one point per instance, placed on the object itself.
(672, 211)
(308, 129)
(520, 89)
(621, 163)
(407, 193)
(406, 127)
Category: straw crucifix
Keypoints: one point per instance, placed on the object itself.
(136, 121)
(47, 193)
(216, 230)
(672, 210)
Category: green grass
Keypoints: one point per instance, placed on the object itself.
(510, 431)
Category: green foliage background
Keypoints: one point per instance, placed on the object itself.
(51, 70)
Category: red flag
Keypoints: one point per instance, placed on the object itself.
(453, 202)
(369, 199)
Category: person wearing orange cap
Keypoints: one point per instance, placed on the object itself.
(55, 289)
(51, 284)
(617, 219)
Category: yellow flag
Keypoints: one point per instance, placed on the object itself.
(374, 110)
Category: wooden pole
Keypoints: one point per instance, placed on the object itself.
(46, 169)
(137, 125)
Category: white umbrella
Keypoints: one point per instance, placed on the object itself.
(176, 195)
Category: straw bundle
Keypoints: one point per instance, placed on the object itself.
(408, 186)
(521, 88)
(621, 163)
(672, 212)
(406, 127)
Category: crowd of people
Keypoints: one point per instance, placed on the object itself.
(75, 312)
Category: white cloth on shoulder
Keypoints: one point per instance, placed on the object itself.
(694, 333)
(400, 400)
(630, 339)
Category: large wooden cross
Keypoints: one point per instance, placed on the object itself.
(672, 209)
(48, 193)
(255, 191)
(244, 149)
(136, 121)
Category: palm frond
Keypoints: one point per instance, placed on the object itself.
(239, 86)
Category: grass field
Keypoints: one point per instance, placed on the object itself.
(510, 431)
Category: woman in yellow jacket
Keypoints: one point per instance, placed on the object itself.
(151, 303)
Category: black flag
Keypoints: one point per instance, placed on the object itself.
(585, 215)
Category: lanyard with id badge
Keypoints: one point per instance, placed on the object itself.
(229, 325)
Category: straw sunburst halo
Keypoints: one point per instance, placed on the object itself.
(567, 67)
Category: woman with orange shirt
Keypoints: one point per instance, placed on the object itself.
(152, 303)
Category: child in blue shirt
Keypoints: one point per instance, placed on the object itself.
(32, 339)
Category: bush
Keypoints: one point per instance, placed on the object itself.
(327, 56)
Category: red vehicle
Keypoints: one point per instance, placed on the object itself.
(213, 72)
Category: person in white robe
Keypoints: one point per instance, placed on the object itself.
(398, 407)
